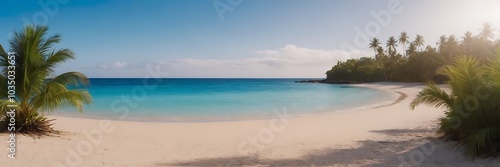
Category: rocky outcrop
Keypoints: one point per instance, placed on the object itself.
(324, 81)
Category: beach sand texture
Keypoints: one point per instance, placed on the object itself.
(385, 135)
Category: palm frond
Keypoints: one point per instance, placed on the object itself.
(480, 141)
(56, 92)
(47, 44)
(494, 67)
(52, 100)
(36, 93)
(54, 58)
(432, 95)
(478, 131)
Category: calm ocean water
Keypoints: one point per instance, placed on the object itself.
(217, 99)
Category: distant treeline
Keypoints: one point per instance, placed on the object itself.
(414, 63)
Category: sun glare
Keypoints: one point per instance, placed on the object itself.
(485, 11)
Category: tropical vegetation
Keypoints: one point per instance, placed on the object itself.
(472, 107)
(469, 64)
(38, 91)
(415, 63)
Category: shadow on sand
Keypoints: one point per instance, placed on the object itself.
(402, 147)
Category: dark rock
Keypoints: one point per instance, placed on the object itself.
(310, 81)
(324, 81)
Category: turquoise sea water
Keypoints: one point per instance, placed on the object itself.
(217, 99)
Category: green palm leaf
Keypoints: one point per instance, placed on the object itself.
(472, 84)
(37, 93)
(432, 95)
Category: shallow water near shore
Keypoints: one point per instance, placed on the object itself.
(154, 99)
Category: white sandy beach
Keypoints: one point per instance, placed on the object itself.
(388, 135)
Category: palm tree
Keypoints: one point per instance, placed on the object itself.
(486, 32)
(448, 48)
(36, 93)
(412, 49)
(442, 43)
(475, 127)
(467, 39)
(391, 45)
(374, 45)
(403, 39)
(467, 42)
(452, 40)
(381, 59)
(419, 41)
(429, 48)
(452, 43)
(380, 54)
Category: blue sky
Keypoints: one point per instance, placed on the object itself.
(255, 38)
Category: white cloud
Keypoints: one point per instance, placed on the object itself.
(288, 61)
(119, 64)
(291, 55)
(102, 66)
(114, 65)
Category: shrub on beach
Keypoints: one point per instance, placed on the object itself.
(35, 93)
(472, 108)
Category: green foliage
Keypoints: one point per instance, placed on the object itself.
(360, 70)
(36, 93)
(470, 64)
(415, 64)
(420, 67)
(472, 108)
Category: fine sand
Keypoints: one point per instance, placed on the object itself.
(387, 134)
